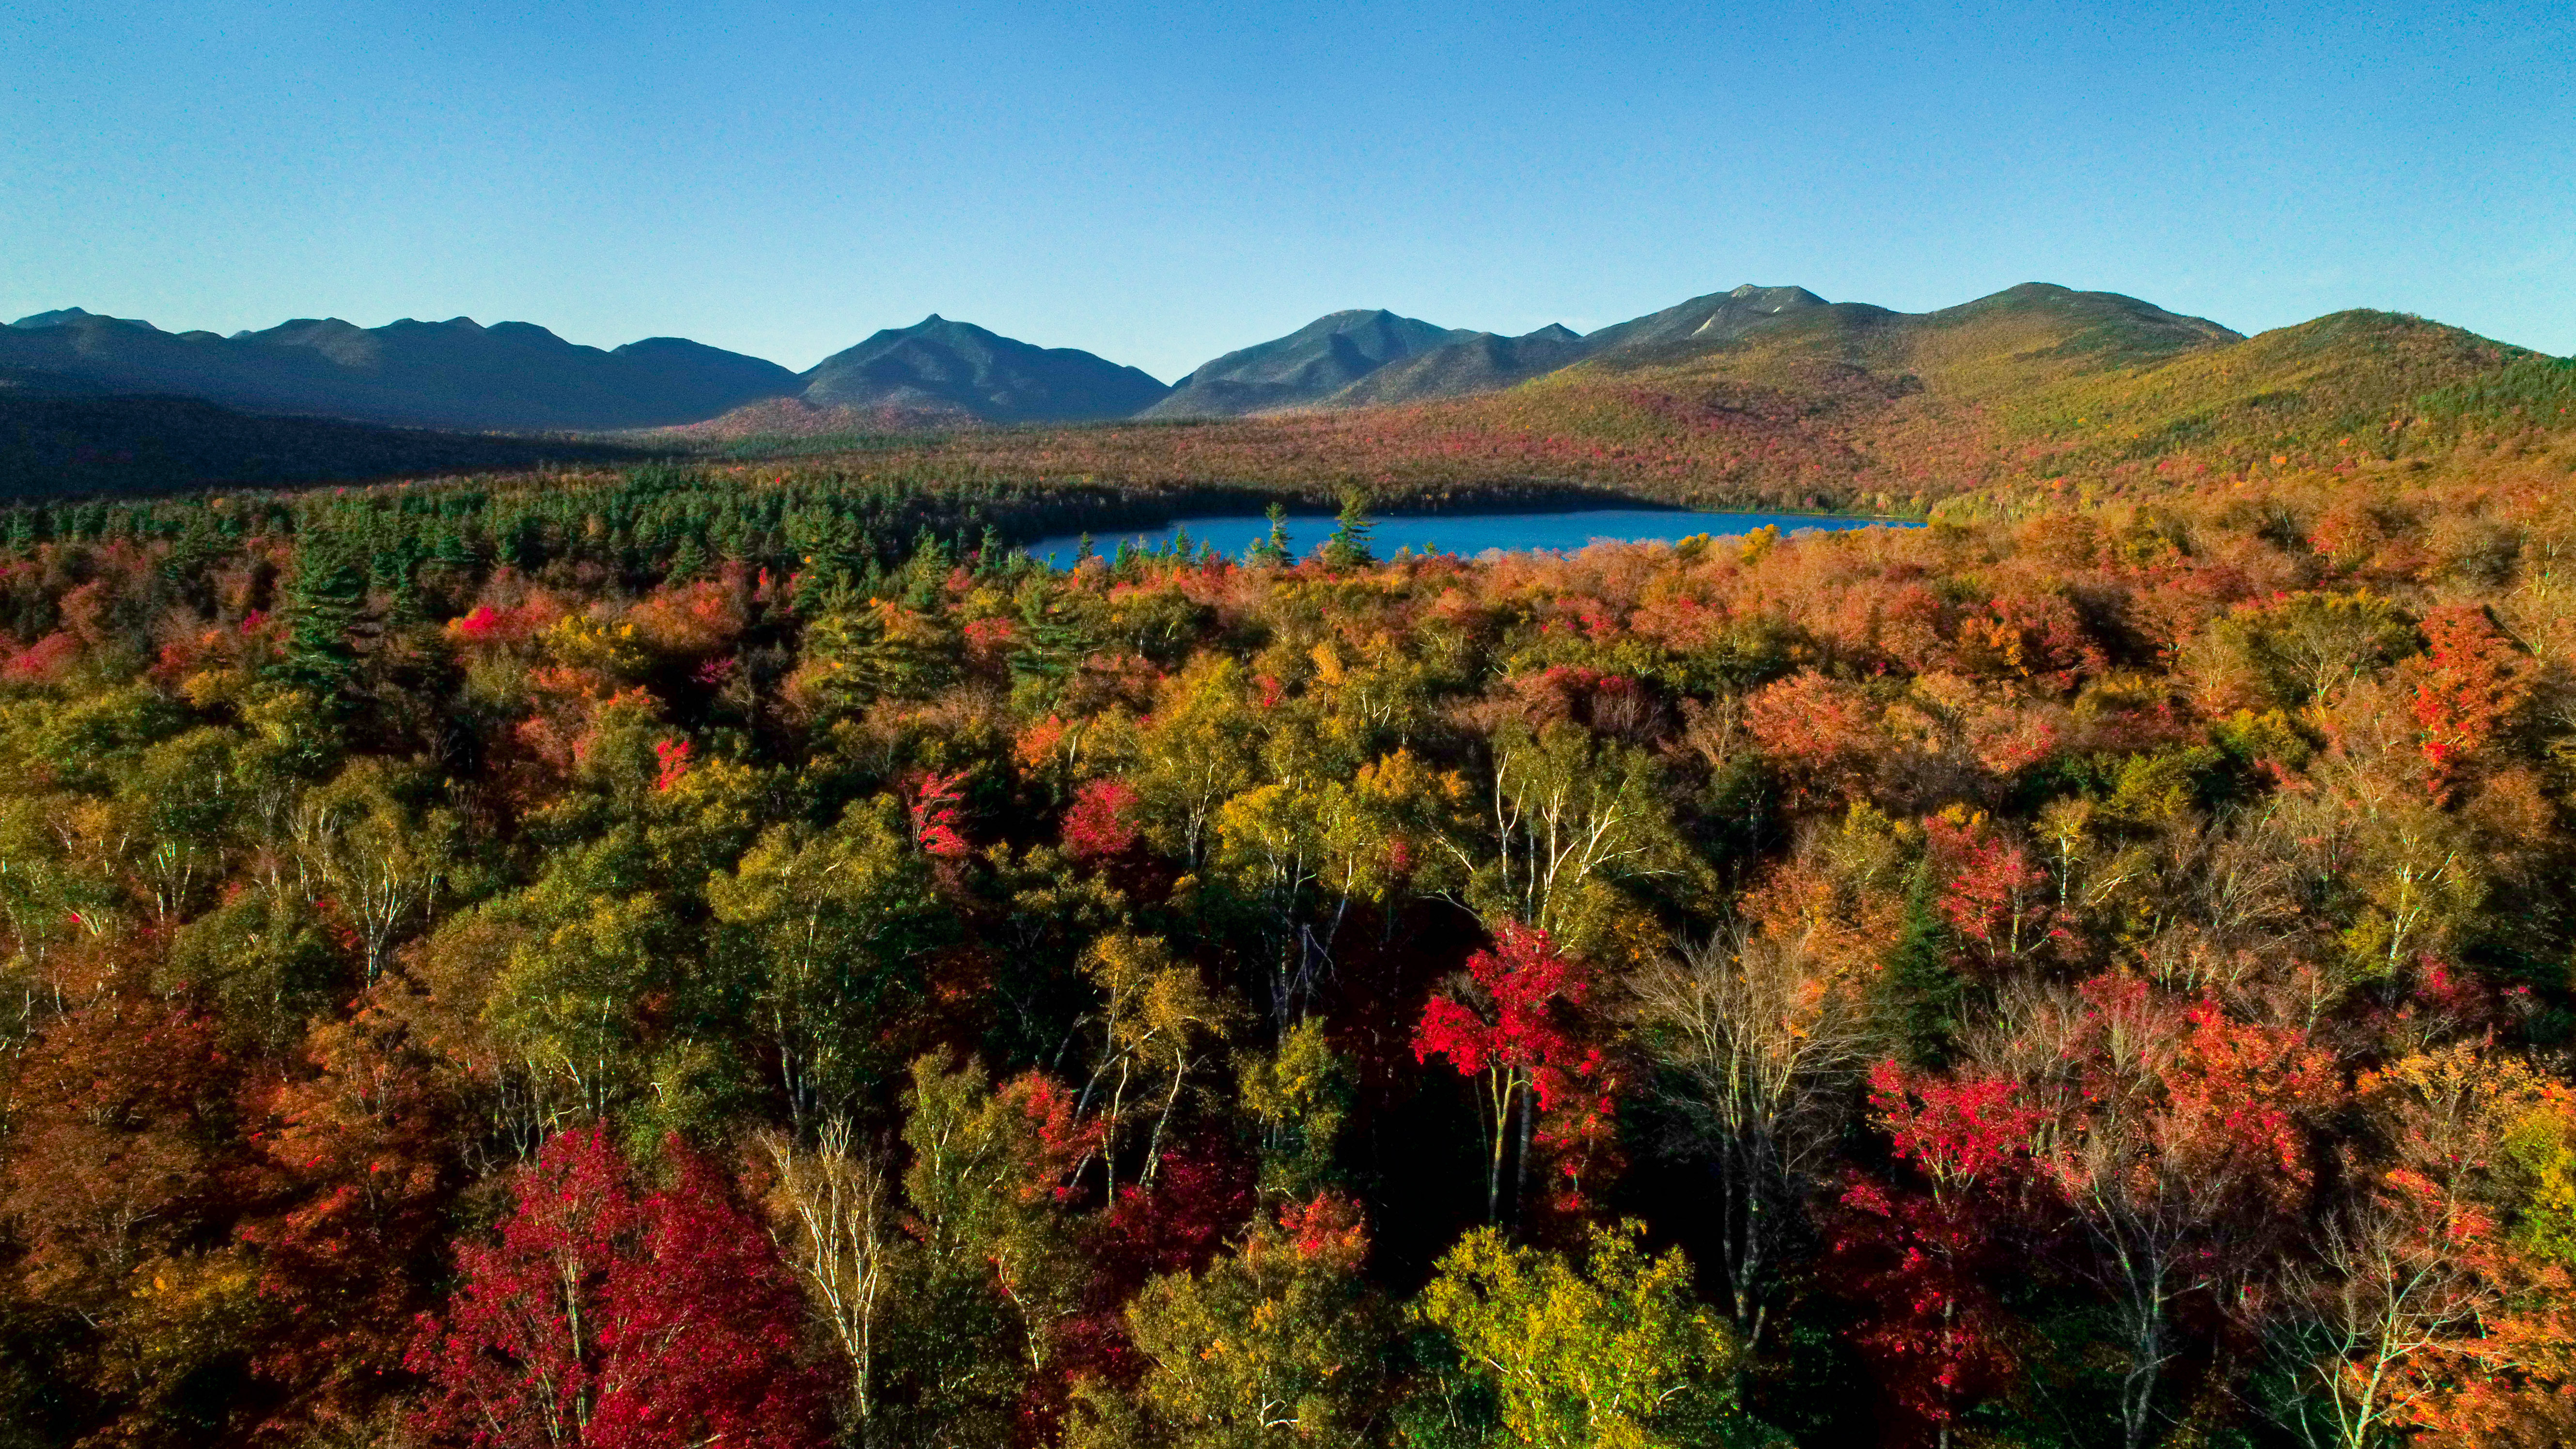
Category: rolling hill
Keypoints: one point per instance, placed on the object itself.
(63, 442)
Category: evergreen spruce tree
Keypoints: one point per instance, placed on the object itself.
(324, 602)
(1348, 548)
(1922, 989)
(688, 559)
(1049, 644)
(1273, 550)
(393, 569)
(452, 551)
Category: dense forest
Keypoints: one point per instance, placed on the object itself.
(739, 954)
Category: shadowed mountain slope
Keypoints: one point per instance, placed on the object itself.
(453, 374)
(1484, 362)
(1303, 368)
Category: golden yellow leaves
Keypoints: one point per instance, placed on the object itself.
(578, 641)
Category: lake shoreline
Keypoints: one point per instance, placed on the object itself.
(1462, 534)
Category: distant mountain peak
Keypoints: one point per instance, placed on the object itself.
(73, 316)
(1305, 367)
(957, 369)
(1716, 317)
(1792, 296)
(2130, 320)
(1475, 362)
(1771, 301)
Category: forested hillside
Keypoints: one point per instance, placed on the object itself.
(95, 446)
(739, 955)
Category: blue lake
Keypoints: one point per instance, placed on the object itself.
(1466, 534)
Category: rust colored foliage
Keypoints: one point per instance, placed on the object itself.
(1818, 729)
(120, 1120)
(2035, 639)
(2467, 687)
(697, 619)
(358, 1162)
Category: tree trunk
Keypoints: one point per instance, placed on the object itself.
(1529, 1128)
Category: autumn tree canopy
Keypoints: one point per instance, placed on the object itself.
(700, 956)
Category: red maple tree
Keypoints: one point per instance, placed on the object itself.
(614, 1319)
(1923, 1262)
(931, 802)
(1996, 896)
(1505, 1021)
(1102, 820)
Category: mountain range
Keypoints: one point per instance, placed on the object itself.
(516, 376)
(1759, 396)
(510, 376)
(1737, 355)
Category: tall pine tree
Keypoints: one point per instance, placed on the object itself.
(325, 600)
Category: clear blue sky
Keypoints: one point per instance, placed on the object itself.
(1162, 182)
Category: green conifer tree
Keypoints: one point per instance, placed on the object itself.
(324, 601)
(688, 559)
(1348, 548)
(1273, 550)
